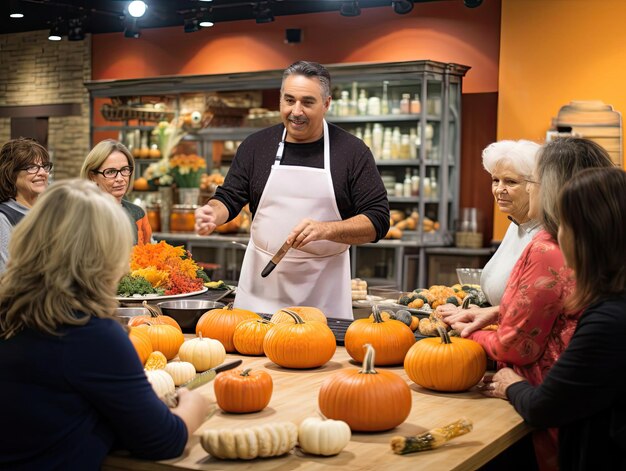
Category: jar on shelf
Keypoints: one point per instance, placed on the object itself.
(405, 103)
(182, 218)
(153, 211)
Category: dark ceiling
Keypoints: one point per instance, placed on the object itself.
(106, 16)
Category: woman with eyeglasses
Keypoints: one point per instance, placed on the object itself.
(111, 165)
(534, 323)
(24, 170)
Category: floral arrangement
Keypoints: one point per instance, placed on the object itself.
(169, 135)
(187, 170)
(158, 173)
(167, 269)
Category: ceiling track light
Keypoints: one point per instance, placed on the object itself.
(75, 29)
(350, 8)
(56, 33)
(402, 7)
(263, 13)
(206, 20)
(137, 8)
(132, 29)
(15, 9)
(191, 23)
(472, 3)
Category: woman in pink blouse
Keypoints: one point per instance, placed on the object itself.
(533, 325)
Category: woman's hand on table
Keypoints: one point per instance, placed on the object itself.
(466, 321)
(497, 384)
(193, 408)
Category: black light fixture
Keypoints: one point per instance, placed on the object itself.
(263, 13)
(206, 20)
(402, 7)
(191, 23)
(472, 3)
(15, 9)
(56, 32)
(75, 29)
(350, 8)
(137, 8)
(132, 29)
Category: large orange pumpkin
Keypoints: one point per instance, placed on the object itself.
(300, 345)
(155, 317)
(307, 313)
(366, 399)
(141, 341)
(164, 338)
(249, 335)
(446, 363)
(390, 338)
(242, 391)
(219, 324)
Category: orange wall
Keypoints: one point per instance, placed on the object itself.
(442, 31)
(553, 52)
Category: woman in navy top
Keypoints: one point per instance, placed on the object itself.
(71, 382)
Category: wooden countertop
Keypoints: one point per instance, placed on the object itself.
(496, 427)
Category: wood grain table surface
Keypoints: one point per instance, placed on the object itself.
(496, 427)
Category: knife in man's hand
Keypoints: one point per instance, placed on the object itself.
(278, 256)
(171, 399)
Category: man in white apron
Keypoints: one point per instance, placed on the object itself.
(298, 205)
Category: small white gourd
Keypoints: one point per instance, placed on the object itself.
(161, 382)
(203, 353)
(322, 436)
(180, 371)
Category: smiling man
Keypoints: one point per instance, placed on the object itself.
(310, 184)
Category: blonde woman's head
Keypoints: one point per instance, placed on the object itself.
(66, 256)
(109, 154)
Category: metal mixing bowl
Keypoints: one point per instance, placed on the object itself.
(187, 311)
(124, 314)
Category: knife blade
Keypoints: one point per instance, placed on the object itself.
(171, 399)
(278, 256)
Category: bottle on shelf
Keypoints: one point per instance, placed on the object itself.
(373, 106)
(433, 182)
(406, 186)
(413, 144)
(353, 100)
(416, 106)
(377, 140)
(396, 143)
(415, 183)
(405, 103)
(358, 132)
(387, 139)
(384, 106)
(426, 187)
(367, 136)
(405, 146)
(362, 103)
(344, 103)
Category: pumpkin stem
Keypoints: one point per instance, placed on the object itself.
(229, 307)
(378, 318)
(200, 335)
(154, 311)
(445, 338)
(246, 372)
(297, 319)
(368, 361)
(322, 415)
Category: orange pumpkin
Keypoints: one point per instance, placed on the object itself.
(300, 345)
(164, 338)
(141, 341)
(305, 312)
(219, 324)
(446, 363)
(242, 391)
(390, 338)
(249, 335)
(155, 317)
(366, 399)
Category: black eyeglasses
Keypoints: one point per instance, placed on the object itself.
(34, 168)
(112, 172)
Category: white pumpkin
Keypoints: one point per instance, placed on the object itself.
(161, 382)
(203, 353)
(180, 371)
(321, 436)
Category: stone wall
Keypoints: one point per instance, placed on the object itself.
(36, 71)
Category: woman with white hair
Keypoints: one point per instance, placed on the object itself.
(510, 164)
(72, 383)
